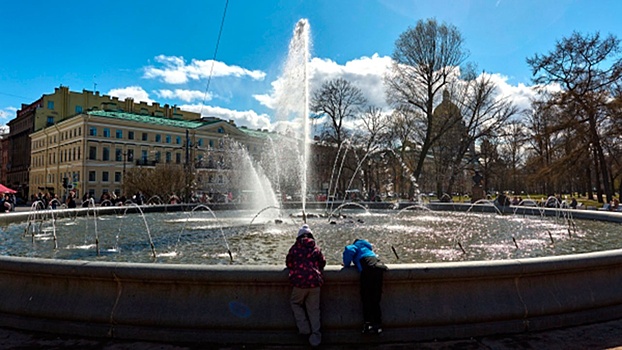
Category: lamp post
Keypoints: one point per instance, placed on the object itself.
(124, 161)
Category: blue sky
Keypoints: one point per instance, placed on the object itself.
(162, 50)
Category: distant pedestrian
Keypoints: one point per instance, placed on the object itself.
(71, 200)
(306, 262)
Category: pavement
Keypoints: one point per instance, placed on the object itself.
(606, 335)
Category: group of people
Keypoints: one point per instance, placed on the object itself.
(306, 263)
(7, 202)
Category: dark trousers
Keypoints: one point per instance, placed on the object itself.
(371, 289)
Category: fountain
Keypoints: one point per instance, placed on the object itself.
(216, 276)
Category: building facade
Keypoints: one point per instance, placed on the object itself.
(93, 150)
(52, 109)
(4, 155)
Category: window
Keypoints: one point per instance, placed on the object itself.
(178, 140)
(118, 155)
(106, 132)
(106, 154)
(143, 155)
(211, 143)
(130, 155)
(51, 105)
(50, 120)
(200, 143)
(105, 176)
(167, 139)
(221, 130)
(145, 136)
(130, 135)
(93, 153)
(157, 156)
(168, 157)
(92, 176)
(92, 131)
(119, 134)
(117, 176)
(78, 109)
(177, 158)
(158, 138)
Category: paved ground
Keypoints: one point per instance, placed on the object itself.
(606, 335)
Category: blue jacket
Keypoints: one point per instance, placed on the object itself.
(355, 251)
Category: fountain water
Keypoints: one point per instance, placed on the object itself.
(293, 100)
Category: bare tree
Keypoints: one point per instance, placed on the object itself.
(489, 158)
(338, 100)
(163, 181)
(587, 68)
(401, 132)
(372, 139)
(425, 61)
(514, 137)
(483, 112)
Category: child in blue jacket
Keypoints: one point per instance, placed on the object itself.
(361, 254)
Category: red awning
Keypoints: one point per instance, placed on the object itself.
(4, 189)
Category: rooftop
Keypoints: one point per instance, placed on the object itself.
(148, 119)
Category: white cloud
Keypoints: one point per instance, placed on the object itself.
(366, 73)
(521, 95)
(184, 95)
(249, 118)
(174, 70)
(136, 92)
(7, 113)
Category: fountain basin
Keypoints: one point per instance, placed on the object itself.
(220, 304)
(214, 304)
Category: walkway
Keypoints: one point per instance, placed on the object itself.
(600, 336)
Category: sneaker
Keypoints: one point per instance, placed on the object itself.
(368, 328)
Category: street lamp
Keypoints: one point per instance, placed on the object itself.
(124, 161)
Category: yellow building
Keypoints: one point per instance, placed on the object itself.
(63, 104)
(94, 149)
(52, 109)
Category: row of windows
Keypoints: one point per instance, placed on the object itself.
(66, 135)
(118, 134)
(169, 139)
(51, 107)
(129, 154)
(105, 176)
(50, 178)
(65, 155)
